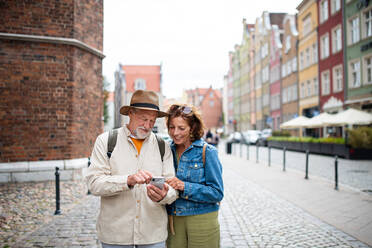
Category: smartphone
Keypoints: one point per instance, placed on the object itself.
(158, 182)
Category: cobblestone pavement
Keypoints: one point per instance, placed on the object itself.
(250, 217)
(24, 207)
(354, 173)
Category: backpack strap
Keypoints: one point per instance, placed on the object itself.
(204, 148)
(113, 134)
(161, 144)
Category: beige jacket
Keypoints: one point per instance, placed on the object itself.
(129, 216)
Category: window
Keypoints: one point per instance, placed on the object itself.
(323, 11)
(302, 92)
(283, 70)
(315, 53)
(307, 59)
(301, 60)
(140, 84)
(285, 95)
(336, 39)
(324, 46)
(326, 88)
(308, 93)
(354, 74)
(306, 25)
(265, 74)
(316, 86)
(335, 6)
(265, 100)
(258, 80)
(294, 64)
(294, 89)
(289, 67)
(211, 94)
(211, 103)
(287, 44)
(368, 70)
(367, 23)
(354, 30)
(337, 78)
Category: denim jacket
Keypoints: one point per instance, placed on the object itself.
(203, 183)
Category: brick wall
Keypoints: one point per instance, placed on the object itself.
(50, 94)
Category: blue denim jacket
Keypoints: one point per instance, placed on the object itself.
(203, 183)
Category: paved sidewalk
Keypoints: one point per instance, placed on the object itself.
(263, 207)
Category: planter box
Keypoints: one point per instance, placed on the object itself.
(324, 149)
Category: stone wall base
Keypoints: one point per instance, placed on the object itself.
(36, 171)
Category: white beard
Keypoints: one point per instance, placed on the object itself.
(140, 134)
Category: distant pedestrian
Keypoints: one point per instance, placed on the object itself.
(132, 213)
(193, 219)
(209, 137)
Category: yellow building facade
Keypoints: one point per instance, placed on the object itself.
(307, 20)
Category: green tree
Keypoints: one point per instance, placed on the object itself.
(106, 85)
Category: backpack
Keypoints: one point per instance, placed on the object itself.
(113, 134)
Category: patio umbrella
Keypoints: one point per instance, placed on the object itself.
(319, 120)
(297, 122)
(350, 117)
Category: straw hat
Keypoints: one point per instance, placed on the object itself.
(143, 99)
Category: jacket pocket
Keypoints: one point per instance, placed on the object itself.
(195, 172)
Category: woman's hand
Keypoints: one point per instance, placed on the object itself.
(176, 183)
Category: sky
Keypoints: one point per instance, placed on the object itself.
(191, 39)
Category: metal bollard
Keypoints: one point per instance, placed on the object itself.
(307, 165)
(269, 155)
(248, 151)
(241, 151)
(58, 211)
(88, 193)
(257, 148)
(336, 173)
(284, 149)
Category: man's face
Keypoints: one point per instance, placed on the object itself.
(141, 122)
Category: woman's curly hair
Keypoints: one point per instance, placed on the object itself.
(191, 115)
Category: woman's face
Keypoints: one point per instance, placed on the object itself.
(179, 130)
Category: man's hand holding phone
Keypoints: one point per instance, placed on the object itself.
(157, 189)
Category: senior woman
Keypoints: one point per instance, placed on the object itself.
(193, 217)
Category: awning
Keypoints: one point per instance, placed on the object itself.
(297, 122)
(318, 121)
(349, 117)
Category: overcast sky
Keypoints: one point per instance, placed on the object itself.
(190, 38)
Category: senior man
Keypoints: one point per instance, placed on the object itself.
(132, 212)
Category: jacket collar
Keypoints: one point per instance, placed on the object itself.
(196, 143)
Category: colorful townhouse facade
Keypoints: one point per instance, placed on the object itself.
(265, 68)
(331, 67)
(258, 30)
(252, 65)
(275, 80)
(237, 88)
(289, 69)
(244, 78)
(230, 96)
(358, 54)
(307, 20)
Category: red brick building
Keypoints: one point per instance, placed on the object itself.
(209, 102)
(331, 52)
(50, 83)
